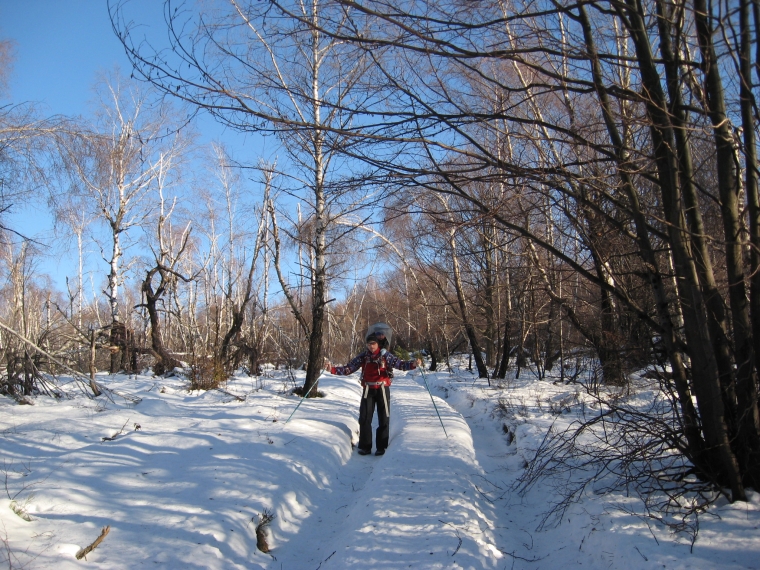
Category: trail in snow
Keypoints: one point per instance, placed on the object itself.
(417, 505)
(597, 531)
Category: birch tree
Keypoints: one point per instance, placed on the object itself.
(255, 68)
(117, 160)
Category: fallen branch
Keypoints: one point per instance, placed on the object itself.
(85, 551)
(114, 436)
(239, 398)
(82, 381)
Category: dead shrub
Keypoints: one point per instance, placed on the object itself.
(207, 374)
(265, 519)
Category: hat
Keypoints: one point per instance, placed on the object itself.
(372, 337)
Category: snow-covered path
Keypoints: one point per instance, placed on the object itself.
(416, 506)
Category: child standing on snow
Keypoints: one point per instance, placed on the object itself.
(376, 364)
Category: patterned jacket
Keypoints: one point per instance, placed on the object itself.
(375, 367)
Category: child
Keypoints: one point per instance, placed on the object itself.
(376, 364)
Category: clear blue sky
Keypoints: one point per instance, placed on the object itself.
(60, 45)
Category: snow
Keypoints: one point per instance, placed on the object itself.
(186, 475)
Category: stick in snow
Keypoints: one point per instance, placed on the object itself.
(238, 398)
(85, 551)
(114, 436)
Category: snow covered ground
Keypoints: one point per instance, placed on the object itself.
(185, 475)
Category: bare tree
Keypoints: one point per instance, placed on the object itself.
(168, 247)
(117, 161)
(256, 69)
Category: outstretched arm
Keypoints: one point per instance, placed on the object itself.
(349, 368)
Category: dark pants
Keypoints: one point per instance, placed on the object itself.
(374, 397)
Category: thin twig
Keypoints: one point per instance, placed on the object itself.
(114, 436)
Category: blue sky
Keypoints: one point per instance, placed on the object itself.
(60, 47)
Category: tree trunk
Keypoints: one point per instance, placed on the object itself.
(746, 392)
(468, 327)
(705, 367)
(113, 301)
(691, 421)
(165, 362)
(717, 321)
(748, 104)
(238, 312)
(93, 384)
(433, 357)
(488, 294)
(505, 350)
(319, 285)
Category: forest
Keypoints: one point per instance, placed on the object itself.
(567, 186)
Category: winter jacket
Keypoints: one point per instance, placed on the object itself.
(375, 367)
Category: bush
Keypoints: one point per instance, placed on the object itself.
(265, 519)
(299, 391)
(207, 374)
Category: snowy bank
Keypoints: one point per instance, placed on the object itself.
(182, 477)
